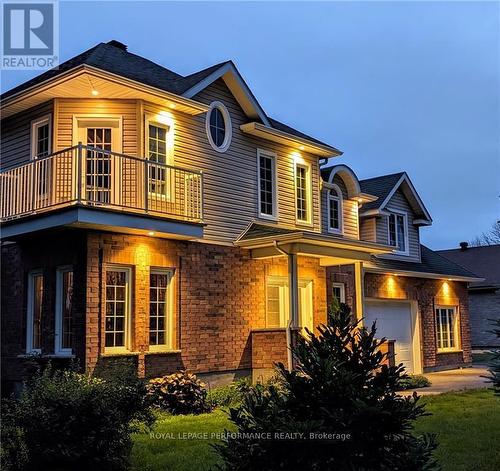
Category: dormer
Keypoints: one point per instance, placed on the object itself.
(395, 217)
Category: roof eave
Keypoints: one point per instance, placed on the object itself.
(273, 134)
(418, 274)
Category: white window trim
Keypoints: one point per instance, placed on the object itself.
(307, 166)
(407, 246)
(168, 123)
(128, 309)
(341, 286)
(29, 312)
(35, 124)
(456, 329)
(333, 230)
(169, 316)
(274, 157)
(227, 121)
(59, 321)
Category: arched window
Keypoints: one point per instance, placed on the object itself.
(335, 209)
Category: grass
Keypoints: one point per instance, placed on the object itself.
(174, 450)
(467, 425)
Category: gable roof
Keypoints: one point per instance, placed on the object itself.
(113, 57)
(484, 261)
(432, 263)
(384, 188)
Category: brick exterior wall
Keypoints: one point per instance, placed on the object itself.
(219, 294)
(428, 293)
(220, 299)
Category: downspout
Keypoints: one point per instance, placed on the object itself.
(289, 323)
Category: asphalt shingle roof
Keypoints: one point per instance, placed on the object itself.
(432, 262)
(379, 186)
(484, 261)
(113, 57)
(257, 231)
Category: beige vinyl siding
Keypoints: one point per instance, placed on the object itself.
(16, 135)
(127, 109)
(230, 179)
(349, 211)
(399, 203)
(368, 229)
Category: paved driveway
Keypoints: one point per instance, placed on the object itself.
(454, 380)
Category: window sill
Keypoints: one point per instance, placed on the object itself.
(268, 217)
(120, 354)
(304, 224)
(162, 352)
(444, 352)
(48, 355)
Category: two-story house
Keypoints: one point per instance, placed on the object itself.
(168, 219)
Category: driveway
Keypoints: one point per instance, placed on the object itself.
(454, 380)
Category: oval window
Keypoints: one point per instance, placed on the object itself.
(218, 127)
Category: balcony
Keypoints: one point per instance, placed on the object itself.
(105, 187)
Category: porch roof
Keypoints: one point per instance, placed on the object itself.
(267, 241)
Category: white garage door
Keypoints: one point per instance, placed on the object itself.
(394, 322)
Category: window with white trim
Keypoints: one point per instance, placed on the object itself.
(398, 231)
(118, 304)
(335, 209)
(157, 145)
(303, 192)
(40, 137)
(218, 126)
(267, 184)
(35, 311)
(64, 310)
(160, 310)
(447, 328)
(338, 291)
(277, 302)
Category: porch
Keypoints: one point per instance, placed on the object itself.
(101, 187)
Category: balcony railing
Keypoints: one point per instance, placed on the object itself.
(99, 178)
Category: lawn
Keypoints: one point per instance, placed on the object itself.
(467, 425)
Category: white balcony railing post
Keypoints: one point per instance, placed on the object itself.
(146, 186)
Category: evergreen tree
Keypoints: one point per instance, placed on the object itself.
(341, 398)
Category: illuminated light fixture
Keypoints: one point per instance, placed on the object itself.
(394, 274)
(301, 147)
(151, 233)
(95, 92)
(172, 105)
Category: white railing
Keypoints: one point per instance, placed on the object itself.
(100, 178)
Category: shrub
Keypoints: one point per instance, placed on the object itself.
(341, 402)
(73, 421)
(13, 450)
(495, 361)
(413, 382)
(178, 393)
(228, 395)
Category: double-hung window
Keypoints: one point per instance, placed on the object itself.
(303, 192)
(64, 310)
(160, 310)
(447, 328)
(117, 324)
(335, 210)
(158, 145)
(267, 184)
(398, 232)
(35, 310)
(40, 137)
(277, 302)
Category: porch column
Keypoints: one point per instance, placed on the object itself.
(359, 288)
(293, 283)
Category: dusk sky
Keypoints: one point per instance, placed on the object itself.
(395, 86)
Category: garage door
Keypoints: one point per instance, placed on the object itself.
(394, 322)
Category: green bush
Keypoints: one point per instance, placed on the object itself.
(494, 365)
(413, 382)
(13, 449)
(69, 420)
(228, 395)
(338, 409)
(178, 393)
